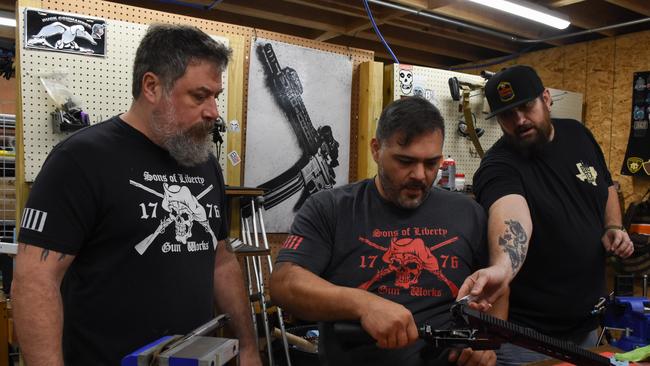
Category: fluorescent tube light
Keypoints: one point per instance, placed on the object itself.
(526, 10)
(7, 19)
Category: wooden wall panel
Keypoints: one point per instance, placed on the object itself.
(598, 92)
(549, 65)
(575, 68)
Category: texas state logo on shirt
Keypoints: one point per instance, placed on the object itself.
(586, 173)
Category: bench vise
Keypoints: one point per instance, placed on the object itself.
(194, 349)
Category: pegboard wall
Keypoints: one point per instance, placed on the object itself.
(434, 86)
(102, 83)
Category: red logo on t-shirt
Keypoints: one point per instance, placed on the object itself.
(292, 242)
(407, 258)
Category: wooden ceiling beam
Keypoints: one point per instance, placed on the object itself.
(426, 4)
(361, 25)
(638, 6)
(286, 13)
(587, 21)
(408, 60)
(590, 15)
(505, 23)
(435, 4)
(562, 3)
(420, 4)
(454, 35)
(475, 14)
(331, 6)
(428, 43)
(223, 16)
(405, 55)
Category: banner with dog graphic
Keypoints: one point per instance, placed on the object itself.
(63, 32)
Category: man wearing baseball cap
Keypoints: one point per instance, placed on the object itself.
(551, 202)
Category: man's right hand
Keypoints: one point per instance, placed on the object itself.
(485, 286)
(389, 323)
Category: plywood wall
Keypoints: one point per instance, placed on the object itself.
(602, 71)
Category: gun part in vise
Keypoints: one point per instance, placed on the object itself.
(194, 348)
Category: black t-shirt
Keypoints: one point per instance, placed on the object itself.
(143, 230)
(566, 188)
(351, 236)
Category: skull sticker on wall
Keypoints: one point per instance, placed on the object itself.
(406, 81)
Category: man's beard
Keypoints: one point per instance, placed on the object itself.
(532, 146)
(190, 147)
(393, 191)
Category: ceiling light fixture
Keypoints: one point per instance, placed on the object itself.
(529, 11)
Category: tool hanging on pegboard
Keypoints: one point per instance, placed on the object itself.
(461, 91)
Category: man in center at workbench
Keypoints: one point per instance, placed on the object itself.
(388, 252)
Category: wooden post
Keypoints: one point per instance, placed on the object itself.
(370, 107)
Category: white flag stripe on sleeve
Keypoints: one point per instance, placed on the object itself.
(33, 219)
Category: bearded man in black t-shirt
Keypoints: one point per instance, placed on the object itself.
(388, 252)
(550, 201)
(122, 240)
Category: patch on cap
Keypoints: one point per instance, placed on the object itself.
(634, 164)
(505, 91)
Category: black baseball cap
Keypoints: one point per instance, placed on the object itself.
(512, 87)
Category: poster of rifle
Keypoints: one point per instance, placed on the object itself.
(637, 154)
(62, 32)
(298, 125)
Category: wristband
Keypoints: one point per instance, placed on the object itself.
(614, 227)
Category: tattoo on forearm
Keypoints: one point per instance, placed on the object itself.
(514, 242)
(44, 254)
(61, 256)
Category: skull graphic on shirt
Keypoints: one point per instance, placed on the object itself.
(184, 208)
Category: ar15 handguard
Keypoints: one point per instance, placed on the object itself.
(500, 331)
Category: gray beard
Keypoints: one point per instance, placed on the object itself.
(186, 151)
(189, 148)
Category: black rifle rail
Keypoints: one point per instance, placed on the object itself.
(530, 339)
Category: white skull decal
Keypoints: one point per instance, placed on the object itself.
(406, 81)
(234, 125)
(182, 221)
(184, 209)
